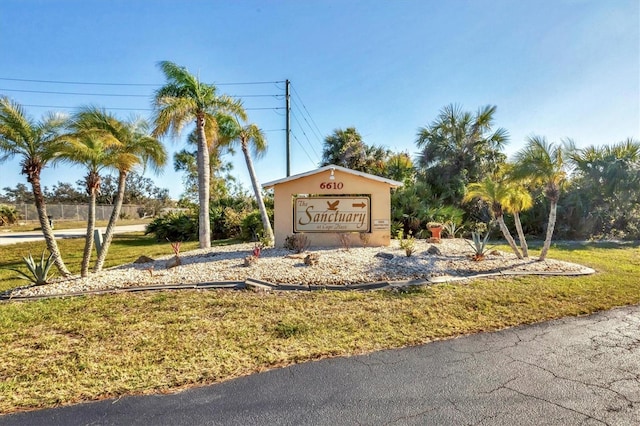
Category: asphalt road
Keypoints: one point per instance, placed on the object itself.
(574, 371)
(7, 238)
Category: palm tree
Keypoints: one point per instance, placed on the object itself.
(136, 148)
(518, 199)
(96, 150)
(347, 149)
(186, 99)
(494, 194)
(458, 148)
(542, 164)
(249, 136)
(37, 143)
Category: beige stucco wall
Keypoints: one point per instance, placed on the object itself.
(379, 192)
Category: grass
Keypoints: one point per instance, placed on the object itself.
(63, 351)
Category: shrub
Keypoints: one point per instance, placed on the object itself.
(252, 226)
(174, 227)
(344, 239)
(297, 243)
(8, 215)
(407, 244)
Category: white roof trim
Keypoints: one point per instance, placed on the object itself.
(392, 183)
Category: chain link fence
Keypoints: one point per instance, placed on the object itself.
(28, 212)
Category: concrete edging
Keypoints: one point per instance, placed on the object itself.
(265, 286)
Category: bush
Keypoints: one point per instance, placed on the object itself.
(297, 243)
(174, 227)
(251, 226)
(8, 215)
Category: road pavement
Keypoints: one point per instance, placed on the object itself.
(573, 371)
(7, 238)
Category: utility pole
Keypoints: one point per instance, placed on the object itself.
(287, 96)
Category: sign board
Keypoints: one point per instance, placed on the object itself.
(332, 214)
(380, 225)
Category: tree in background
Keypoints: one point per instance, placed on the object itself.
(135, 147)
(20, 194)
(458, 148)
(64, 193)
(221, 181)
(185, 99)
(399, 167)
(543, 164)
(345, 148)
(37, 144)
(249, 136)
(606, 186)
(139, 189)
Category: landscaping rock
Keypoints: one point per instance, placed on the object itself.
(312, 259)
(250, 260)
(435, 251)
(173, 262)
(144, 259)
(382, 255)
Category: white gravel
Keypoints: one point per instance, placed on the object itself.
(279, 266)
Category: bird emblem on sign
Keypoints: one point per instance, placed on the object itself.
(334, 205)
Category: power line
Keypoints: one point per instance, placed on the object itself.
(295, 92)
(301, 146)
(132, 109)
(305, 134)
(277, 96)
(311, 128)
(128, 84)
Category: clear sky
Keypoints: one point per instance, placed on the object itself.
(556, 68)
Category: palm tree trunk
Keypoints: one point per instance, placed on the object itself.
(204, 226)
(115, 214)
(47, 232)
(88, 245)
(507, 236)
(266, 224)
(523, 241)
(550, 227)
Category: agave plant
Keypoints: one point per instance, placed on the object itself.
(452, 228)
(479, 245)
(38, 272)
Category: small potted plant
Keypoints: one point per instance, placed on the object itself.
(436, 231)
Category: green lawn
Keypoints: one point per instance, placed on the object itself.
(63, 351)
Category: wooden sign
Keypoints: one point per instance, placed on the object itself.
(332, 214)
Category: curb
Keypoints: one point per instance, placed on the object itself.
(265, 286)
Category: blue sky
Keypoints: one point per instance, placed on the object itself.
(556, 68)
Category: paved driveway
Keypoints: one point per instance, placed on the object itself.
(574, 371)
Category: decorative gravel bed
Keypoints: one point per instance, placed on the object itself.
(279, 266)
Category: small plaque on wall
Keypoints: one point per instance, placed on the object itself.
(381, 224)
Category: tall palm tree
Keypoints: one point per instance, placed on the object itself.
(494, 194)
(96, 150)
(543, 164)
(136, 147)
(458, 148)
(37, 143)
(518, 199)
(249, 136)
(185, 99)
